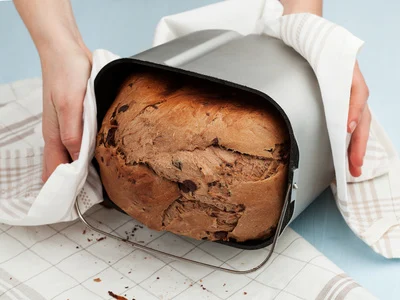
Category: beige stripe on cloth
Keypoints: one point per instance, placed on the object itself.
(343, 293)
(340, 285)
(20, 291)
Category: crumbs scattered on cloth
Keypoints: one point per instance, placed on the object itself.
(68, 266)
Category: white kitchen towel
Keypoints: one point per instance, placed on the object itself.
(370, 204)
(371, 207)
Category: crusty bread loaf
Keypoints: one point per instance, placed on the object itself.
(195, 159)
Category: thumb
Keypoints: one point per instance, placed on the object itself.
(71, 126)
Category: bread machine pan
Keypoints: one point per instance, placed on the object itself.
(258, 64)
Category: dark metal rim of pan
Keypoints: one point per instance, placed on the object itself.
(106, 85)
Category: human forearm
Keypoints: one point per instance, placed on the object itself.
(302, 6)
(66, 67)
(51, 23)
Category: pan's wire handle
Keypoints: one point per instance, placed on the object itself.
(151, 250)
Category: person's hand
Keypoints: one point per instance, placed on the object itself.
(66, 66)
(359, 117)
(65, 70)
(359, 120)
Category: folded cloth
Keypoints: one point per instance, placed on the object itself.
(370, 204)
(23, 198)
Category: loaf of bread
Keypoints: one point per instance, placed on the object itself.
(194, 158)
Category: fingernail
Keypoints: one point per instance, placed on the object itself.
(352, 126)
(75, 156)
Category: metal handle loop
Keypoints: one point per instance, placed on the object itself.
(151, 250)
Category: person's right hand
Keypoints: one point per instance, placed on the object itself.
(65, 70)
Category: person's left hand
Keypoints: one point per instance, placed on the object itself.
(359, 121)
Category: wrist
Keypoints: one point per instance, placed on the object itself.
(59, 44)
(52, 26)
(55, 39)
(302, 6)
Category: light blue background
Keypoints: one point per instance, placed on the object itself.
(126, 27)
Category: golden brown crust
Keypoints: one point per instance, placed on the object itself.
(198, 161)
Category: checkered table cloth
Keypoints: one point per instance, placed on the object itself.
(68, 261)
